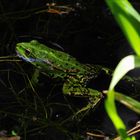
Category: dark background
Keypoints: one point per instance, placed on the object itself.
(88, 33)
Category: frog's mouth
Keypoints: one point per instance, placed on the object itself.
(25, 58)
(30, 59)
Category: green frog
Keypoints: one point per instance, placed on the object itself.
(58, 64)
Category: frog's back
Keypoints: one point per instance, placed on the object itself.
(58, 59)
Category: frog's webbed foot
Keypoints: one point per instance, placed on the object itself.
(93, 101)
(86, 109)
(77, 90)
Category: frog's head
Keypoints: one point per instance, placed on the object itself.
(28, 50)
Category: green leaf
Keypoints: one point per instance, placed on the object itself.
(129, 21)
(128, 102)
(126, 64)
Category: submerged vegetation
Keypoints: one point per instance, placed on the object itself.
(33, 106)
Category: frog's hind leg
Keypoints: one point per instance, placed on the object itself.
(94, 99)
(81, 91)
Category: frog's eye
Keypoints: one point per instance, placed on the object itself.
(27, 52)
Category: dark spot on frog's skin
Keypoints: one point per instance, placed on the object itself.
(72, 68)
(60, 56)
(68, 59)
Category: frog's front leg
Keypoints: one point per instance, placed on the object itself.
(77, 89)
